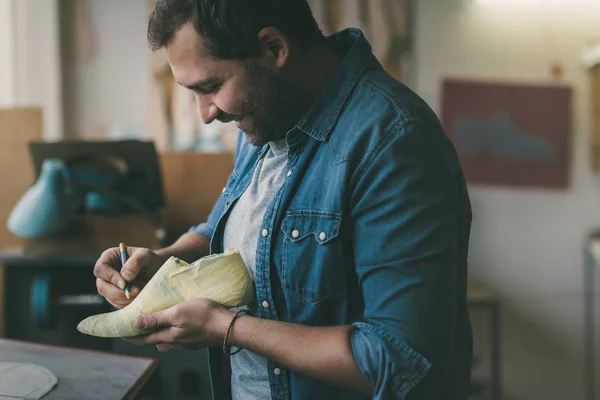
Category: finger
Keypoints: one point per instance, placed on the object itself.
(136, 340)
(160, 319)
(118, 302)
(140, 259)
(111, 292)
(107, 266)
(114, 296)
(166, 335)
(121, 297)
(134, 291)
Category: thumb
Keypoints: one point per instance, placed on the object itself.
(130, 269)
(140, 259)
(156, 320)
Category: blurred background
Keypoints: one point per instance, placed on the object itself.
(92, 118)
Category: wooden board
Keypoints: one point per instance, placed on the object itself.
(18, 126)
(2, 297)
(478, 293)
(594, 79)
(92, 234)
(192, 182)
(83, 374)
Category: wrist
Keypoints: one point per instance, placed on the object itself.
(221, 321)
(164, 253)
(233, 332)
(189, 247)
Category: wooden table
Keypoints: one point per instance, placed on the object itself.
(83, 374)
(480, 298)
(591, 263)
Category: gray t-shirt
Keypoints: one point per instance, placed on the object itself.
(250, 377)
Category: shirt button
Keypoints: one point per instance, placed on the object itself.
(266, 304)
(289, 173)
(322, 236)
(223, 190)
(265, 233)
(295, 233)
(277, 371)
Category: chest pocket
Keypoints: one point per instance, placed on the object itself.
(312, 255)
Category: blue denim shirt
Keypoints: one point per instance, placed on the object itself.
(371, 229)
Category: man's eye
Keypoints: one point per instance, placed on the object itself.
(208, 90)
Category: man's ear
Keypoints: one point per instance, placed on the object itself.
(274, 47)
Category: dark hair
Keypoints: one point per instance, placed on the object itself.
(230, 27)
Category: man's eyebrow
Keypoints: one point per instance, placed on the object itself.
(202, 84)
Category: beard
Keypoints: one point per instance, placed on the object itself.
(267, 110)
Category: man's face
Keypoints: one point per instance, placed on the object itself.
(257, 97)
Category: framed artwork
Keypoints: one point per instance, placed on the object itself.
(510, 134)
(593, 66)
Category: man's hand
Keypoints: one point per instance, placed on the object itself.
(140, 267)
(323, 353)
(192, 324)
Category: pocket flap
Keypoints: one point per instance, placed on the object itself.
(324, 226)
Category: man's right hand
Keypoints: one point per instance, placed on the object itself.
(111, 279)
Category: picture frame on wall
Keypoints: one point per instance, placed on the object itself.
(510, 133)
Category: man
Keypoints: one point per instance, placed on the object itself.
(347, 204)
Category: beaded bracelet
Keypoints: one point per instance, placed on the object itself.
(225, 346)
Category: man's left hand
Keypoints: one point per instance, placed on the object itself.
(192, 324)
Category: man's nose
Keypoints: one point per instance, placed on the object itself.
(207, 109)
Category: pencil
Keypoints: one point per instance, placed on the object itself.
(123, 261)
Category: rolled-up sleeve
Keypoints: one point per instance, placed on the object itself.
(406, 206)
(207, 228)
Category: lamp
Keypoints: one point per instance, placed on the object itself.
(45, 208)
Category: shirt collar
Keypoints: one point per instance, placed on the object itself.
(357, 57)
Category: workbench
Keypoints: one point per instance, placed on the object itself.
(50, 293)
(479, 298)
(83, 374)
(590, 282)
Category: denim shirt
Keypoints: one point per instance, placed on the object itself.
(371, 229)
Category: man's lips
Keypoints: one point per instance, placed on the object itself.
(240, 122)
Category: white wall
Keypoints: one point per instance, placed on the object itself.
(30, 67)
(111, 89)
(526, 244)
(37, 68)
(7, 70)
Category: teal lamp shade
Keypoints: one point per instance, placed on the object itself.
(45, 208)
